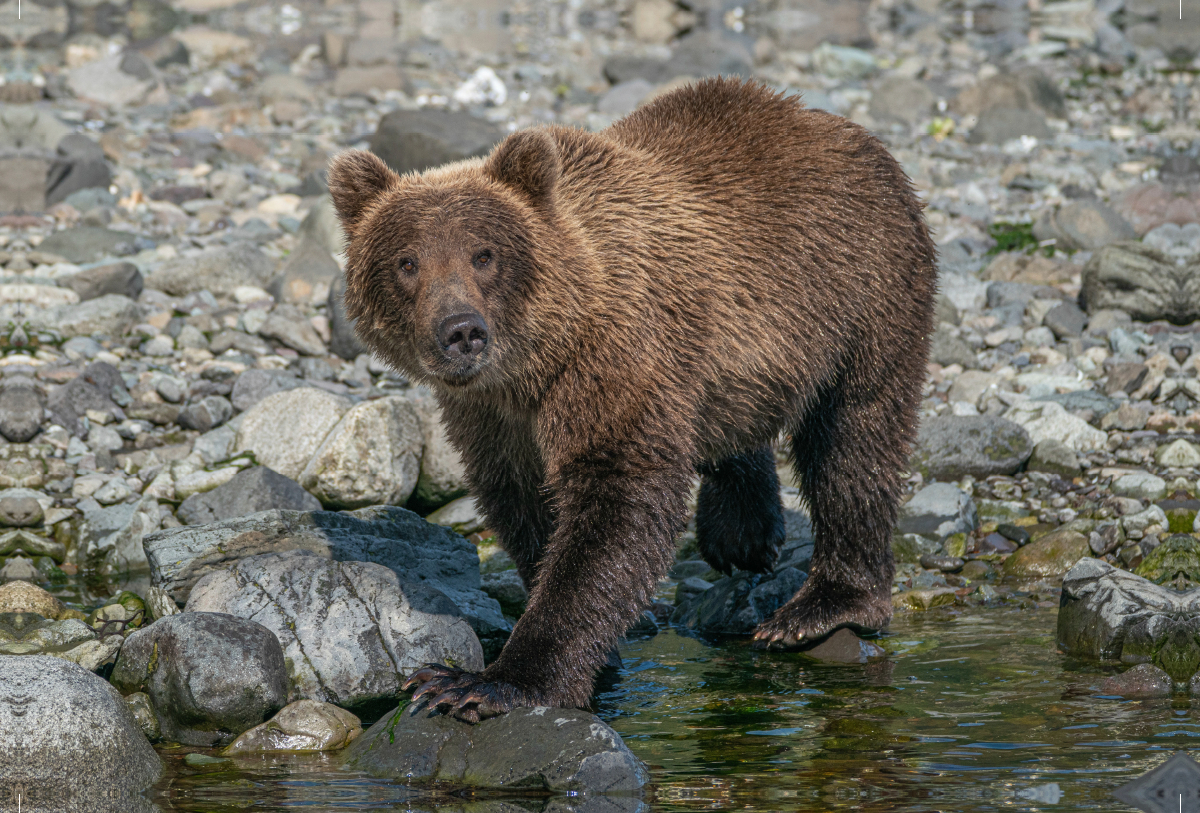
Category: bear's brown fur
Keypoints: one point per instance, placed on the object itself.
(602, 315)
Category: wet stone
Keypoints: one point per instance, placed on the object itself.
(843, 646)
(306, 725)
(1051, 555)
(536, 749)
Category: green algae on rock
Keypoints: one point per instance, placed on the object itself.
(1051, 555)
(1178, 556)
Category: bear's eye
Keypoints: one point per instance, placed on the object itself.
(408, 266)
(483, 259)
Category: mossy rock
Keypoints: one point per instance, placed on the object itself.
(1050, 556)
(1180, 553)
(1180, 520)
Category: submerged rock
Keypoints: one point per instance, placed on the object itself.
(538, 749)
(209, 676)
(736, 604)
(352, 631)
(68, 740)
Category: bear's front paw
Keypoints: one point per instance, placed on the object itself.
(814, 613)
(470, 696)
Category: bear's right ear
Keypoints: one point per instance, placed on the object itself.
(527, 162)
(356, 178)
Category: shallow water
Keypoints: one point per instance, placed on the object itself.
(974, 710)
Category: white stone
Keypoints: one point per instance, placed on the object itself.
(284, 430)
(1178, 455)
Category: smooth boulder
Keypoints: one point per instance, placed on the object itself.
(352, 631)
(210, 676)
(951, 447)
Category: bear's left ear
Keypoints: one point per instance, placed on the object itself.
(528, 162)
(356, 178)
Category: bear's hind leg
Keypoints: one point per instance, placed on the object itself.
(849, 454)
(739, 517)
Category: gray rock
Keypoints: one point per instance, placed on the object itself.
(85, 244)
(898, 98)
(1080, 400)
(143, 714)
(23, 183)
(250, 491)
(372, 456)
(243, 343)
(216, 445)
(22, 406)
(218, 269)
(998, 125)
(416, 140)
(284, 430)
(108, 315)
(68, 741)
(951, 447)
(80, 164)
(1107, 614)
(624, 97)
(322, 227)
(1143, 282)
(206, 414)
(253, 386)
(308, 273)
(352, 631)
(343, 340)
(461, 515)
(737, 604)
(843, 61)
(290, 328)
(112, 538)
(703, 53)
(113, 278)
(946, 348)
(845, 647)
(393, 537)
(508, 589)
(1054, 457)
(539, 749)
(937, 511)
(21, 507)
(442, 477)
(306, 725)
(1067, 320)
(210, 676)
(1139, 485)
(1025, 89)
(1083, 224)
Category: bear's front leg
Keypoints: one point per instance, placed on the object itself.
(619, 505)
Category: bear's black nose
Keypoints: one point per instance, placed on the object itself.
(463, 336)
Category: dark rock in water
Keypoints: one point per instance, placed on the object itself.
(1143, 680)
(393, 537)
(1142, 281)
(113, 278)
(737, 604)
(845, 647)
(1113, 615)
(209, 676)
(68, 741)
(352, 631)
(22, 408)
(250, 491)
(83, 244)
(950, 447)
(538, 749)
(343, 340)
(79, 165)
(416, 140)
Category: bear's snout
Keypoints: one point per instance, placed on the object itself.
(462, 336)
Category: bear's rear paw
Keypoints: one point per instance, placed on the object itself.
(814, 613)
(470, 697)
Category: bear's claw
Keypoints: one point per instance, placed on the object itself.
(470, 696)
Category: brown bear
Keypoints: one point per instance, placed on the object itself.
(604, 315)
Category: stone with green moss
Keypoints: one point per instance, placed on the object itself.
(950, 447)
(1051, 555)
(1178, 555)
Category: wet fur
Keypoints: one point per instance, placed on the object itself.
(668, 296)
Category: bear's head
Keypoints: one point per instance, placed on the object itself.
(442, 266)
